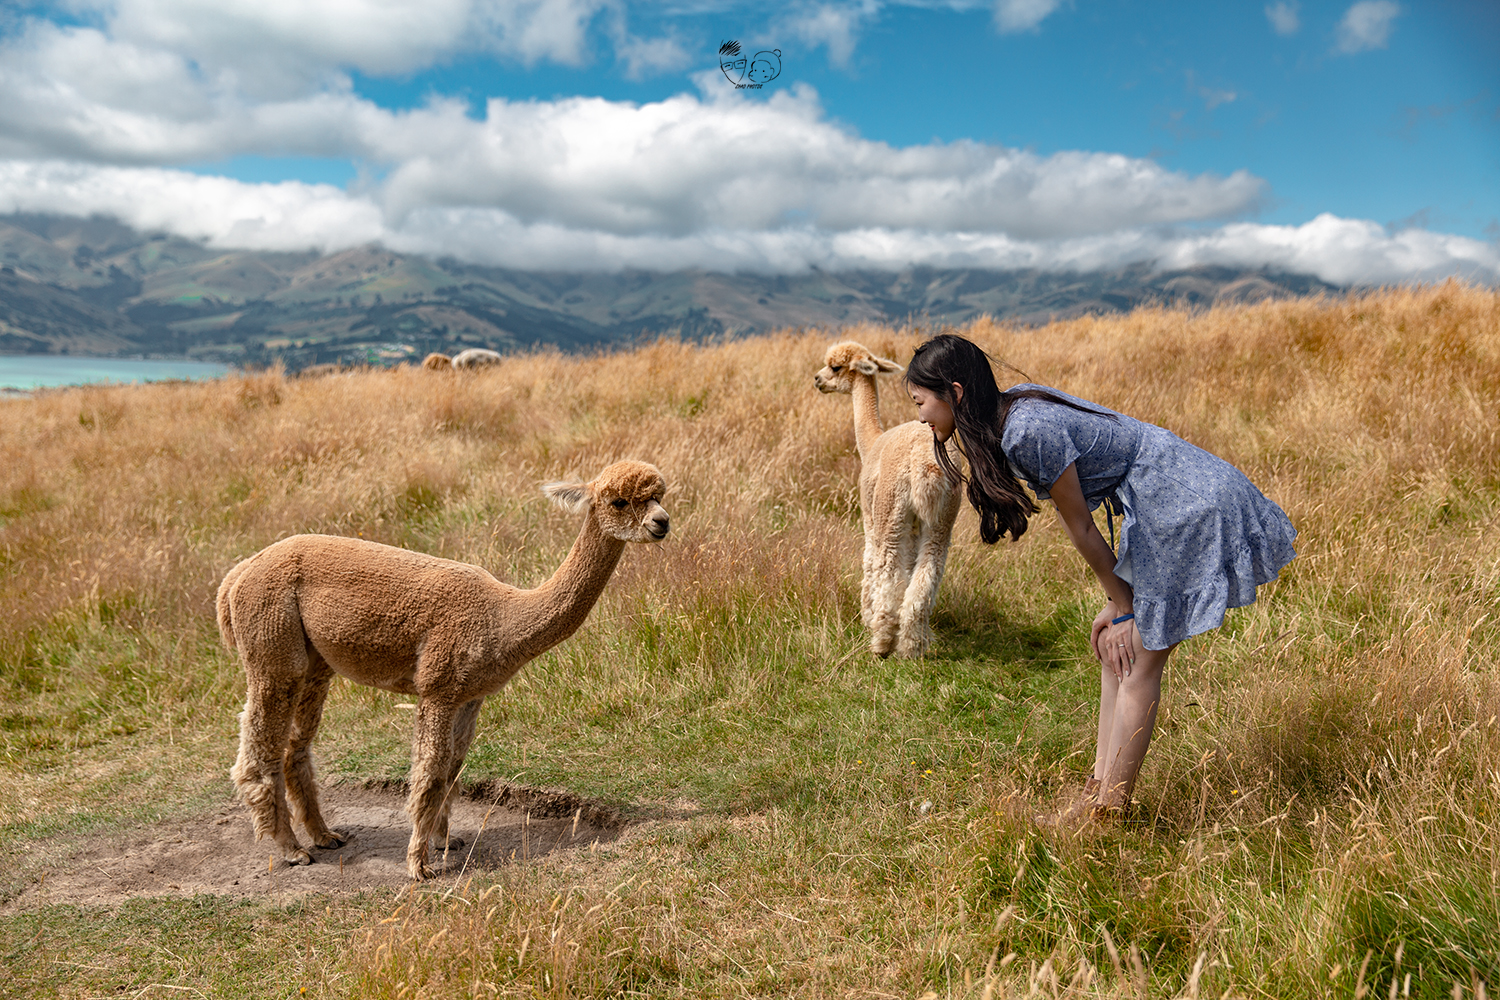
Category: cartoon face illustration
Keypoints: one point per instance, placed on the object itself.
(732, 62)
(766, 66)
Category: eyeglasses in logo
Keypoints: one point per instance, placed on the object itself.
(758, 70)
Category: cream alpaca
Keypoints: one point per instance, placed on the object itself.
(907, 504)
(312, 606)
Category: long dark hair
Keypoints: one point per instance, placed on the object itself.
(979, 417)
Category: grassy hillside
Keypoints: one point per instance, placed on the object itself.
(1316, 815)
(92, 285)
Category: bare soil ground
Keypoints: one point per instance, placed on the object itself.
(215, 852)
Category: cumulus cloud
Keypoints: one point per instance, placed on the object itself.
(1284, 17)
(834, 25)
(1366, 25)
(95, 117)
(272, 48)
(294, 216)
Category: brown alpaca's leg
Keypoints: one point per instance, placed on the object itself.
(431, 758)
(463, 735)
(301, 785)
(257, 772)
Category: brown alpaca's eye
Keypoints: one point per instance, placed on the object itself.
(836, 368)
(619, 504)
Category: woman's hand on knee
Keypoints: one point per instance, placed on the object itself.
(1120, 645)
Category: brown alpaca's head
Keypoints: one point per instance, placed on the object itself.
(625, 499)
(847, 361)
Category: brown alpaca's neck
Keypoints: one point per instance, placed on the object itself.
(866, 414)
(553, 611)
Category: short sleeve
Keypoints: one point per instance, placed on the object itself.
(1039, 448)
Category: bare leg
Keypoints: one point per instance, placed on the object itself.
(1131, 721)
(432, 755)
(463, 735)
(1109, 690)
(301, 785)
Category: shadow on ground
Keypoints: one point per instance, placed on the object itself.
(215, 853)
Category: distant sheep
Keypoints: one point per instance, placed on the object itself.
(906, 502)
(312, 606)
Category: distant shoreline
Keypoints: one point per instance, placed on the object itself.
(21, 374)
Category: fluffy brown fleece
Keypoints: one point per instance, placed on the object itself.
(907, 504)
(311, 607)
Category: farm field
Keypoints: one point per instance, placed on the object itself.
(769, 810)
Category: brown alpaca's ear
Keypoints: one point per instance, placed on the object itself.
(887, 365)
(571, 497)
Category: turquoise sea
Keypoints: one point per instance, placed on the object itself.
(35, 371)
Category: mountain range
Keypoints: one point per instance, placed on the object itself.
(92, 286)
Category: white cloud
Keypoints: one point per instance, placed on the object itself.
(1022, 15)
(293, 216)
(1366, 25)
(274, 48)
(1283, 17)
(684, 164)
(835, 25)
(94, 118)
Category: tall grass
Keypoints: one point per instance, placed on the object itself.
(1317, 811)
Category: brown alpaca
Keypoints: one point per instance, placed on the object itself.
(312, 606)
(436, 362)
(907, 505)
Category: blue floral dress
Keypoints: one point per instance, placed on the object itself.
(1197, 536)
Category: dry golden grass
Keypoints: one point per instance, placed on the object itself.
(1327, 769)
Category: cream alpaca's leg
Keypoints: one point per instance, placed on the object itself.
(867, 579)
(896, 554)
(257, 772)
(463, 734)
(432, 755)
(921, 594)
(301, 785)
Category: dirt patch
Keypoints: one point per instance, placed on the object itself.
(215, 852)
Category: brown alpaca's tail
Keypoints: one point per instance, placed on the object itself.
(222, 602)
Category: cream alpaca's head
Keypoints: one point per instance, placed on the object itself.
(845, 362)
(625, 498)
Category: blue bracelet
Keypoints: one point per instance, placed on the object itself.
(1122, 618)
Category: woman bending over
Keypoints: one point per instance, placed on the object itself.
(1197, 537)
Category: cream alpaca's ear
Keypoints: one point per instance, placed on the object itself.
(571, 497)
(871, 366)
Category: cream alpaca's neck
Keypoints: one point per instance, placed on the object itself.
(553, 611)
(866, 414)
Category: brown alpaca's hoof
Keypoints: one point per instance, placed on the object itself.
(453, 844)
(330, 840)
(297, 857)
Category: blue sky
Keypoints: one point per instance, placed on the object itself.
(1356, 140)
